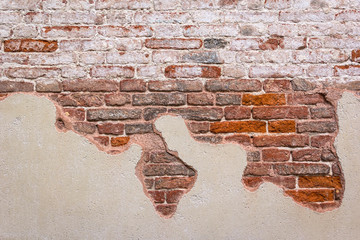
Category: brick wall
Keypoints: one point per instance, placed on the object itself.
(263, 74)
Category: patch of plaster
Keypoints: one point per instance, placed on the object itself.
(58, 185)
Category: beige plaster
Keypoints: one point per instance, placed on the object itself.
(60, 186)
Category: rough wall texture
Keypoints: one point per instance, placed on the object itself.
(264, 74)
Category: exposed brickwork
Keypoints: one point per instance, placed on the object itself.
(262, 74)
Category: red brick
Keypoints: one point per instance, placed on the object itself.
(318, 195)
(275, 155)
(30, 45)
(237, 126)
(111, 128)
(240, 139)
(12, 86)
(313, 155)
(199, 127)
(159, 99)
(201, 99)
(284, 181)
(119, 141)
(322, 141)
(174, 196)
(175, 85)
(317, 126)
(277, 85)
(320, 182)
(294, 140)
(117, 99)
(149, 183)
(77, 114)
(301, 169)
(252, 182)
(133, 85)
(264, 99)
(199, 113)
(48, 86)
(103, 140)
(84, 127)
(237, 85)
(112, 114)
(293, 112)
(157, 196)
(90, 85)
(187, 71)
(173, 43)
(237, 113)
(173, 182)
(166, 210)
(283, 126)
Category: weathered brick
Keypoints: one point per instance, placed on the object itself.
(253, 156)
(111, 128)
(157, 196)
(258, 169)
(121, 4)
(238, 126)
(32, 73)
(80, 99)
(174, 196)
(119, 141)
(48, 86)
(270, 99)
(77, 114)
(173, 43)
(355, 56)
(228, 99)
(30, 45)
(224, 30)
(277, 4)
(237, 113)
(187, 71)
(295, 112)
(133, 85)
(84, 127)
(349, 70)
(199, 113)
(328, 155)
(126, 57)
(175, 85)
(313, 155)
(288, 182)
(320, 182)
(283, 126)
(117, 99)
(271, 44)
(317, 126)
(129, 31)
(209, 139)
(238, 85)
(113, 114)
(275, 71)
(275, 155)
(301, 169)
(318, 195)
(173, 182)
(199, 127)
(163, 157)
(277, 85)
(200, 99)
(215, 43)
(166, 210)
(160, 99)
(149, 183)
(112, 72)
(138, 128)
(322, 112)
(152, 113)
(68, 31)
(12, 86)
(102, 140)
(164, 169)
(281, 141)
(302, 85)
(90, 85)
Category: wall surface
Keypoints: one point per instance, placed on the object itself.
(189, 119)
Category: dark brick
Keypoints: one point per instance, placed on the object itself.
(175, 85)
(160, 99)
(317, 126)
(228, 99)
(138, 128)
(199, 113)
(301, 169)
(113, 114)
(237, 85)
(216, 43)
(152, 113)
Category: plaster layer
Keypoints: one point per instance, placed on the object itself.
(57, 185)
